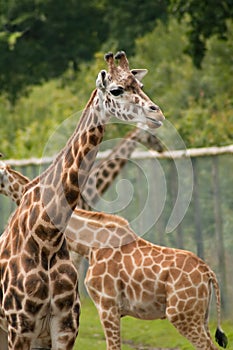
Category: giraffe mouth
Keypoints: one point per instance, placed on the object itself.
(157, 123)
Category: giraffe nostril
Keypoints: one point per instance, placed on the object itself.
(154, 108)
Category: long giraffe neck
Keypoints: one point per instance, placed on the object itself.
(61, 184)
(50, 199)
(113, 164)
(102, 175)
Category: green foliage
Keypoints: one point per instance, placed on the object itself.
(128, 20)
(198, 103)
(27, 126)
(206, 19)
(40, 39)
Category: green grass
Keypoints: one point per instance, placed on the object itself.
(144, 334)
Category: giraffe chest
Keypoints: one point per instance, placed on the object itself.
(155, 309)
(142, 299)
(31, 305)
(32, 294)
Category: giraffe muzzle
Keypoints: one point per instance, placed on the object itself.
(157, 121)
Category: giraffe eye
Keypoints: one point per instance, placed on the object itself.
(117, 91)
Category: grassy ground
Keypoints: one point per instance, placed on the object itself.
(136, 334)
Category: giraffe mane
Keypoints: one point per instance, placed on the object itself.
(23, 179)
(102, 217)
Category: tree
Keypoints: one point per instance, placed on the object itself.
(128, 20)
(40, 39)
(197, 102)
(206, 18)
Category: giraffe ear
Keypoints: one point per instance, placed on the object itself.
(139, 73)
(2, 170)
(101, 80)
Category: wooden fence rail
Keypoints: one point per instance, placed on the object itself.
(177, 154)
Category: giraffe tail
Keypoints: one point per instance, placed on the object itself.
(220, 336)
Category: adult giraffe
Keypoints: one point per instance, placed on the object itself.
(39, 284)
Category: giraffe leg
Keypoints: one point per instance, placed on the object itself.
(63, 340)
(194, 329)
(41, 345)
(3, 340)
(110, 321)
(198, 337)
(18, 342)
(108, 312)
(64, 331)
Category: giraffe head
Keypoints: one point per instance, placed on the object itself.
(4, 183)
(3, 172)
(12, 183)
(120, 93)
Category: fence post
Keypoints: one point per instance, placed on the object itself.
(174, 191)
(219, 230)
(197, 211)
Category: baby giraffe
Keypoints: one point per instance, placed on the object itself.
(129, 276)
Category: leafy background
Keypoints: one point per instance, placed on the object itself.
(52, 51)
